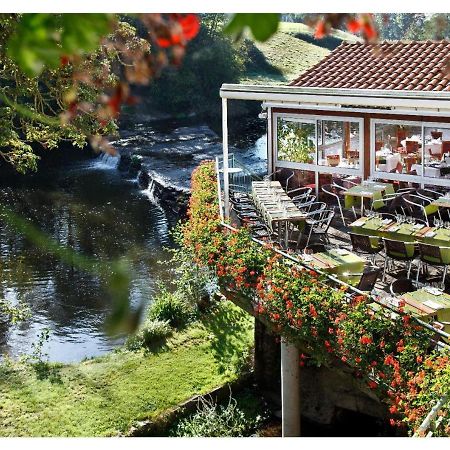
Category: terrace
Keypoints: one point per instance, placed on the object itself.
(357, 185)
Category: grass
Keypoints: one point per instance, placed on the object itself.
(288, 53)
(105, 396)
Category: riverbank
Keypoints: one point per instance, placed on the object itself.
(105, 396)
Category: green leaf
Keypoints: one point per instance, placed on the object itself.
(262, 26)
(39, 40)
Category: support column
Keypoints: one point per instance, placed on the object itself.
(290, 390)
(226, 181)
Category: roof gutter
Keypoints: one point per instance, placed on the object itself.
(353, 97)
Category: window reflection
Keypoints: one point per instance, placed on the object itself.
(296, 141)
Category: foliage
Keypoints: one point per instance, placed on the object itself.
(213, 420)
(150, 336)
(262, 26)
(295, 141)
(211, 60)
(65, 76)
(385, 351)
(170, 308)
(105, 396)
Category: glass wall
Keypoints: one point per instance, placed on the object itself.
(339, 143)
(321, 150)
(407, 149)
(296, 141)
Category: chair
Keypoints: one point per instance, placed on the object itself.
(368, 279)
(428, 194)
(398, 251)
(316, 206)
(412, 146)
(337, 193)
(368, 245)
(416, 206)
(314, 248)
(304, 190)
(401, 286)
(319, 226)
(333, 160)
(436, 134)
(305, 202)
(432, 255)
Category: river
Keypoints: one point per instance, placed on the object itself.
(102, 212)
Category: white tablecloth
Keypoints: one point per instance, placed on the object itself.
(391, 162)
(432, 172)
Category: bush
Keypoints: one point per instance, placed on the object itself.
(171, 308)
(151, 335)
(212, 420)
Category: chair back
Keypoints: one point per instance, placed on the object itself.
(395, 249)
(436, 134)
(368, 279)
(412, 146)
(325, 221)
(360, 242)
(430, 253)
(317, 206)
(401, 286)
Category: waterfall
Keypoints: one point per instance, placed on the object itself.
(150, 192)
(106, 161)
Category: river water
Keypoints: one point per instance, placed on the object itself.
(99, 211)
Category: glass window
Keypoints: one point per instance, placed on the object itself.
(398, 148)
(296, 141)
(339, 143)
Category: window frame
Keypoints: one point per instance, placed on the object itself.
(419, 179)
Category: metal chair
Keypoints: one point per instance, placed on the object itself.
(368, 279)
(401, 286)
(333, 191)
(416, 206)
(305, 203)
(316, 206)
(398, 251)
(431, 255)
(320, 225)
(300, 192)
(365, 244)
(428, 194)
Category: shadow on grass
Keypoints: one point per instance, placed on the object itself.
(47, 371)
(328, 42)
(227, 327)
(258, 64)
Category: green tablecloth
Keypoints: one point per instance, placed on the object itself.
(425, 304)
(374, 191)
(441, 202)
(405, 233)
(339, 264)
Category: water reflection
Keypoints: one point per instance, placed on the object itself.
(98, 213)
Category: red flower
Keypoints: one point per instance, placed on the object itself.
(353, 25)
(372, 384)
(320, 30)
(365, 340)
(312, 310)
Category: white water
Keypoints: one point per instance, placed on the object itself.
(106, 161)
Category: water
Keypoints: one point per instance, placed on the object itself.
(97, 210)
(92, 208)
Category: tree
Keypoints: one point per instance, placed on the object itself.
(64, 77)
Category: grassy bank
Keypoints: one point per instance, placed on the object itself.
(289, 52)
(105, 396)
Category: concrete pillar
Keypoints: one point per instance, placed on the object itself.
(290, 390)
(226, 181)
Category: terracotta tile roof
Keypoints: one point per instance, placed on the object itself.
(416, 65)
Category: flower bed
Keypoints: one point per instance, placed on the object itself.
(390, 353)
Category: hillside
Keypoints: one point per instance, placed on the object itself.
(291, 51)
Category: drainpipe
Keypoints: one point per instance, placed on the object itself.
(226, 181)
(290, 390)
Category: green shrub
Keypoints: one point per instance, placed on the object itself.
(212, 420)
(151, 335)
(171, 308)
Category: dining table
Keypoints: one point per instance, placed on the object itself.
(429, 303)
(405, 232)
(277, 208)
(343, 263)
(372, 190)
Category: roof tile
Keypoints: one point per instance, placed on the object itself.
(398, 65)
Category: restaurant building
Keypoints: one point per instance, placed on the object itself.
(366, 111)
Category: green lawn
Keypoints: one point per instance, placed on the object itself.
(288, 53)
(104, 396)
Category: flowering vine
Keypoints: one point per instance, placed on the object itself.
(389, 352)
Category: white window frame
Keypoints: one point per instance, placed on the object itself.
(315, 167)
(419, 179)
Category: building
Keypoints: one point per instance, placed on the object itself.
(366, 111)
